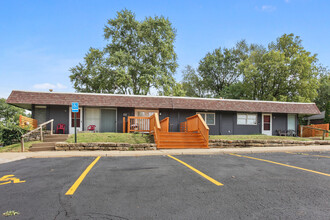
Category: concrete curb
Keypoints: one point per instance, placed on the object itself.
(9, 157)
(7, 160)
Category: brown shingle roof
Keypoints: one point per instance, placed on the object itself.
(24, 98)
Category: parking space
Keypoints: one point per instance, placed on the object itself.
(170, 187)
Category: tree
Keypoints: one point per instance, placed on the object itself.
(324, 90)
(284, 72)
(219, 69)
(9, 115)
(139, 56)
(192, 83)
(9, 119)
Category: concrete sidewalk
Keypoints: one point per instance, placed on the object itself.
(9, 157)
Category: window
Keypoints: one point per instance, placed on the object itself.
(145, 112)
(209, 118)
(246, 119)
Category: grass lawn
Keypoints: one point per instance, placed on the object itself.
(17, 147)
(256, 137)
(111, 137)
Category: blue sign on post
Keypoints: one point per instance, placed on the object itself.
(75, 107)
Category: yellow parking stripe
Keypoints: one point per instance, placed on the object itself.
(197, 171)
(308, 154)
(81, 178)
(282, 164)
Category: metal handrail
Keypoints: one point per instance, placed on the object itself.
(39, 127)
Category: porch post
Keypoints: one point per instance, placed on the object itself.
(22, 144)
(51, 128)
(41, 138)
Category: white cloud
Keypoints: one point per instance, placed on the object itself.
(268, 8)
(287, 1)
(61, 86)
(49, 86)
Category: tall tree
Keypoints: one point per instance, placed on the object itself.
(219, 69)
(139, 56)
(192, 83)
(284, 72)
(323, 92)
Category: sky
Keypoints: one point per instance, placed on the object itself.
(41, 40)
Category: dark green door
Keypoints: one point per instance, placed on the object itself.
(108, 120)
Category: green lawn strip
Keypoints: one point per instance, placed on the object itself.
(110, 137)
(257, 137)
(17, 147)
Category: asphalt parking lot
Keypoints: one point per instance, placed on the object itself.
(249, 186)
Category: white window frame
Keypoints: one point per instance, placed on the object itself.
(207, 113)
(246, 118)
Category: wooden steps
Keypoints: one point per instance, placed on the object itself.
(49, 142)
(180, 140)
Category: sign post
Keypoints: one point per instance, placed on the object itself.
(75, 109)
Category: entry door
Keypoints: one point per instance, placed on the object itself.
(267, 124)
(79, 120)
(108, 120)
(291, 122)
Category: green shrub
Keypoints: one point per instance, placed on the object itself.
(12, 134)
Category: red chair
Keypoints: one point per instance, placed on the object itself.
(60, 127)
(91, 128)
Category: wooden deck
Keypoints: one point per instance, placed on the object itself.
(194, 133)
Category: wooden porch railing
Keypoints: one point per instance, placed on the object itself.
(155, 128)
(138, 124)
(41, 134)
(197, 124)
(165, 124)
(183, 126)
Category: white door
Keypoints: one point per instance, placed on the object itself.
(79, 118)
(267, 124)
(292, 122)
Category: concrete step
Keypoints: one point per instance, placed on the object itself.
(54, 139)
(44, 146)
(42, 149)
(57, 136)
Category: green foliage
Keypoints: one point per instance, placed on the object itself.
(12, 134)
(284, 72)
(9, 119)
(9, 114)
(192, 83)
(327, 113)
(324, 90)
(139, 56)
(219, 69)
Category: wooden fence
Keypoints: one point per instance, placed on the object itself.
(27, 123)
(309, 132)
